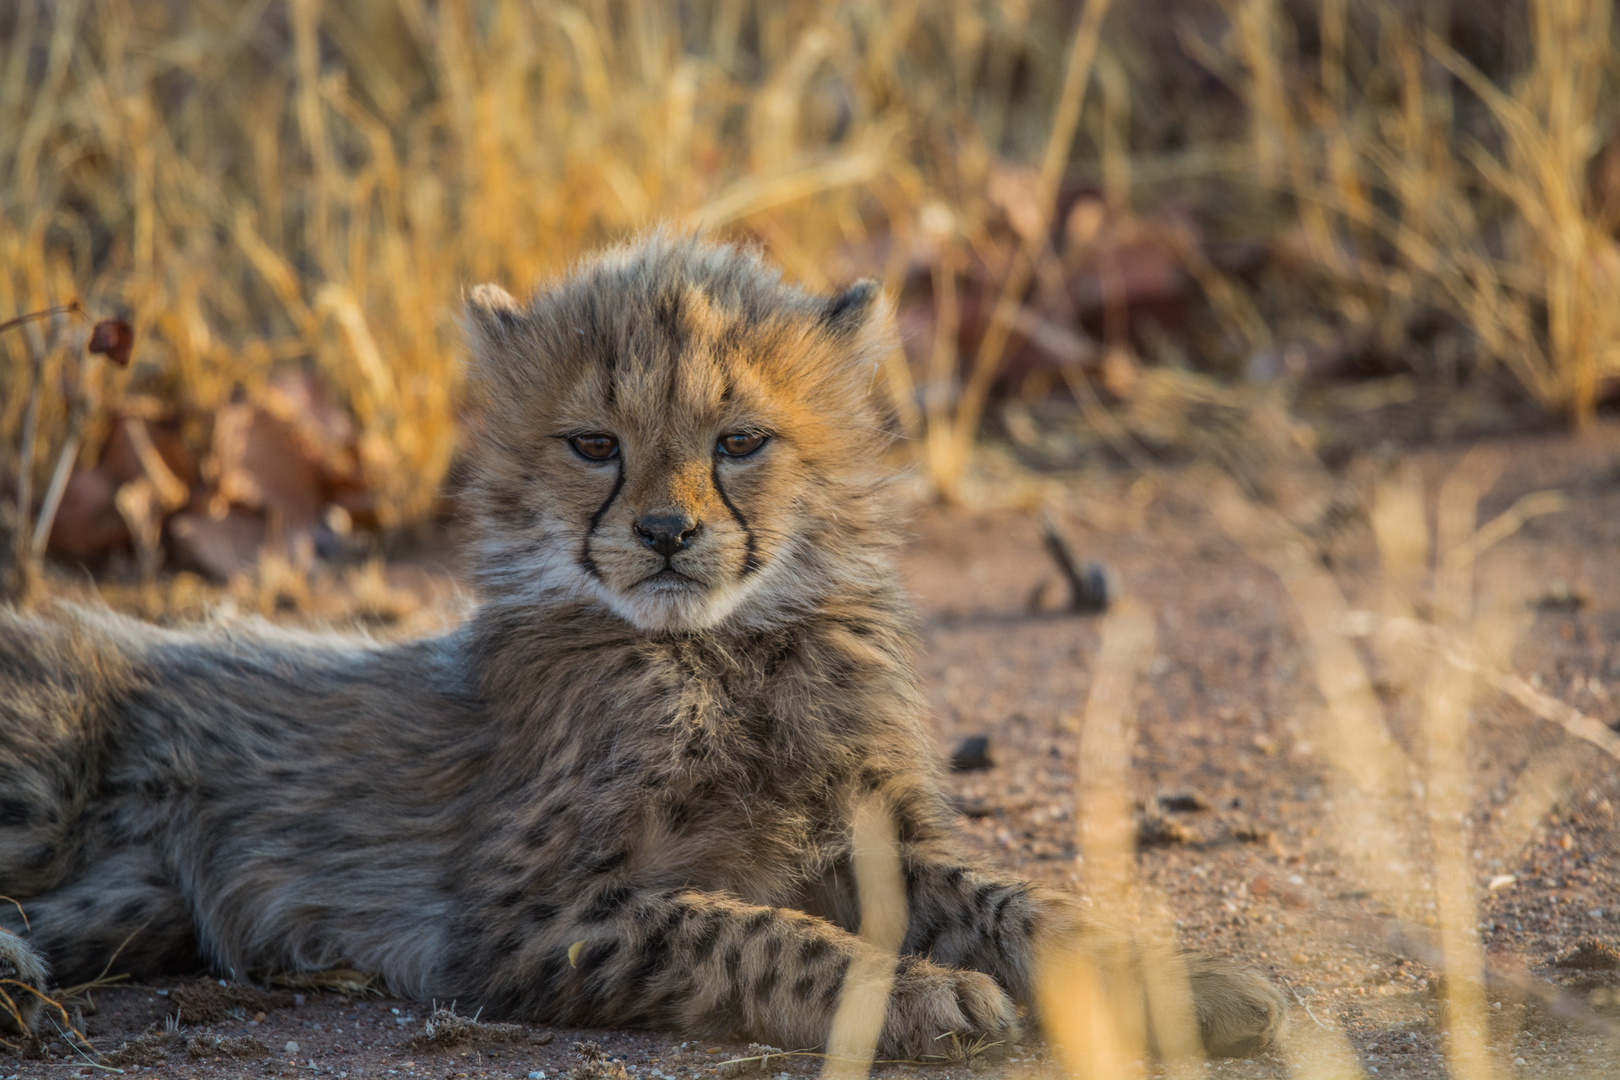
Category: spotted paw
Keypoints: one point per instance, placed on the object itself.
(1238, 1011)
(22, 981)
(937, 1012)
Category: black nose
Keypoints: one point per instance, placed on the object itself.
(666, 533)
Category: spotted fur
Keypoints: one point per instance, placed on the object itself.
(621, 792)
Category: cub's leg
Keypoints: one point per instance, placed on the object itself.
(121, 914)
(964, 918)
(711, 965)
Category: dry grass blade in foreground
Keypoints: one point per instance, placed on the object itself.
(1099, 1029)
(864, 1001)
(1404, 820)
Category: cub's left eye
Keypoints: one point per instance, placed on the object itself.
(740, 445)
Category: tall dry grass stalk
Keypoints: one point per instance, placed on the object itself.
(949, 450)
(310, 182)
(1101, 1027)
(1093, 1026)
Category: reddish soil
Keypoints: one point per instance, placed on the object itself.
(1228, 762)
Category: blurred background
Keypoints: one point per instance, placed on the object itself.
(1372, 205)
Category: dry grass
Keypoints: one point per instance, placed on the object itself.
(258, 185)
(1422, 185)
(265, 184)
(1402, 819)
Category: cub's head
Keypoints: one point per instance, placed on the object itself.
(673, 433)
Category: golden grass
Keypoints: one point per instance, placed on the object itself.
(1473, 199)
(259, 184)
(1401, 819)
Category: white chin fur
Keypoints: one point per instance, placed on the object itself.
(656, 608)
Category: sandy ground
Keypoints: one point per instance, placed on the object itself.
(1230, 784)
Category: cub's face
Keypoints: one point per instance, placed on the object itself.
(675, 435)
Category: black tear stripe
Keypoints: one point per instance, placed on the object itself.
(585, 559)
(751, 558)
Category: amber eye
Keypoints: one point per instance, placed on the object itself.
(595, 447)
(740, 444)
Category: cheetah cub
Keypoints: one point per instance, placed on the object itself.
(620, 794)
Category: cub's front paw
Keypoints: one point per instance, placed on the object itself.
(22, 981)
(930, 1003)
(1238, 1011)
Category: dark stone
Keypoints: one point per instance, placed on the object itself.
(972, 754)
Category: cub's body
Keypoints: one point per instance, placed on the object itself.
(623, 793)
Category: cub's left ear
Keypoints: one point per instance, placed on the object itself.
(849, 311)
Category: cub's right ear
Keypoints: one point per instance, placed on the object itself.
(493, 325)
(492, 312)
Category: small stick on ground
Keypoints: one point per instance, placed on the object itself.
(1088, 583)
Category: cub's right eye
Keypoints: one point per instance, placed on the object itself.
(595, 447)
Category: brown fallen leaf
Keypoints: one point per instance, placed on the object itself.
(114, 339)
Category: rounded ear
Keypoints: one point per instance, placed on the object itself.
(859, 324)
(847, 312)
(492, 323)
(492, 310)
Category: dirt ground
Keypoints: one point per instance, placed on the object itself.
(1231, 786)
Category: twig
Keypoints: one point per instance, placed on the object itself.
(22, 552)
(94, 984)
(1549, 708)
(102, 980)
(1304, 1005)
(14, 1010)
(20, 911)
(16, 1013)
(58, 486)
(80, 1052)
(61, 309)
(1088, 587)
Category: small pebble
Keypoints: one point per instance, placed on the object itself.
(292, 1047)
(972, 754)
(541, 1075)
